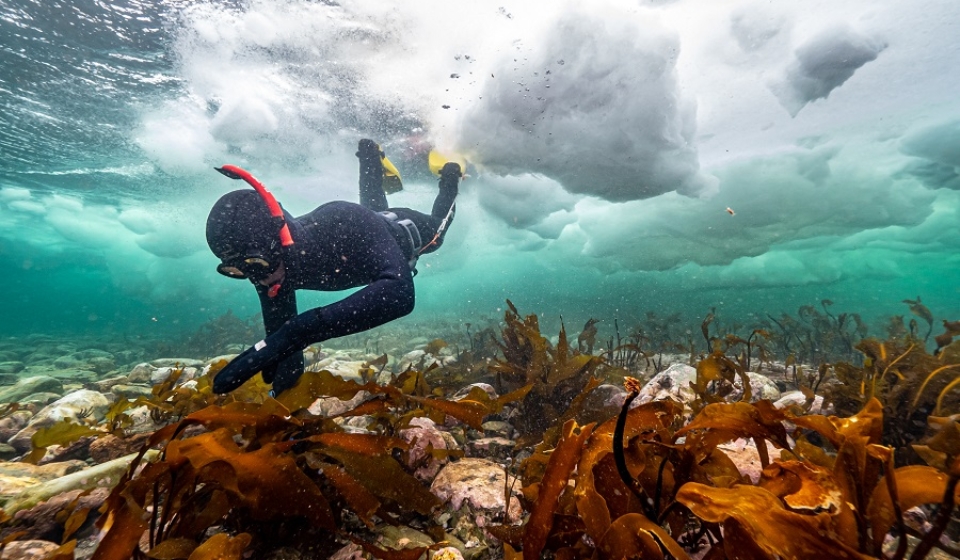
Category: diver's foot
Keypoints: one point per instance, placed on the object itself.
(451, 170)
(368, 149)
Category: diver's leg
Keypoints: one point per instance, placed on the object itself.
(371, 176)
(449, 187)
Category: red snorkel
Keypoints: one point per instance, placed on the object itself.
(234, 172)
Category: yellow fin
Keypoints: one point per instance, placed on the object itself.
(391, 177)
(436, 160)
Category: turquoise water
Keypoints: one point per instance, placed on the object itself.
(625, 157)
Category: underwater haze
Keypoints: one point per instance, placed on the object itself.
(623, 156)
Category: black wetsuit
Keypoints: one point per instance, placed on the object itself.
(338, 246)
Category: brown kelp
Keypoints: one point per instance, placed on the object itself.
(231, 477)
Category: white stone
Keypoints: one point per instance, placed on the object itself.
(797, 398)
(477, 482)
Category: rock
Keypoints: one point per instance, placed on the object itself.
(671, 383)
(104, 385)
(76, 406)
(447, 553)
(40, 521)
(797, 398)
(74, 375)
(351, 551)
(101, 364)
(176, 362)
(495, 428)
(743, 453)
(487, 388)
(70, 361)
(41, 399)
(761, 388)
(14, 477)
(332, 406)
(141, 373)
(29, 550)
(105, 475)
(422, 435)
(17, 420)
(7, 452)
(479, 483)
(161, 374)
(401, 538)
(495, 448)
(11, 367)
(674, 383)
(602, 403)
(347, 369)
(131, 391)
(412, 359)
(111, 447)
(30, 385)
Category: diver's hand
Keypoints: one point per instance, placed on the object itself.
(368, 149)
(451, 169)
(264, 355)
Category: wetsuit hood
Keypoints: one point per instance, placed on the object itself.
(240, 225)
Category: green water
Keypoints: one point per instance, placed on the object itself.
(605, 147)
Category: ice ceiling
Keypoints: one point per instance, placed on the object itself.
(623, 154)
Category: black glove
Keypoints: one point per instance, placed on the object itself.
(264, 355)
(368, 149)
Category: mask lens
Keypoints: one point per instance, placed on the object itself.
(255, 268)
(230, 271)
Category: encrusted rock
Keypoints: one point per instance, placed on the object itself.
(30, 385)
(29, 550)
(111, 447)
(480, 483)
(487, 388)
(40, 521)
(423, 435)
(76, 406)
(671, 383)
(495, 448)
(332, 406)
(674, 383)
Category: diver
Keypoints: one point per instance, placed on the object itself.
(337, 246)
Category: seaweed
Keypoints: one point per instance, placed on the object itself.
(256, 470)
(236, 476)
(555, 380)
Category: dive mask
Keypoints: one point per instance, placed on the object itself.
(254, 267)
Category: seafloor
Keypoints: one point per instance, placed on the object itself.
(803, 438)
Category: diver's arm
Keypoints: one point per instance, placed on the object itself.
(276, 310)
(388, 297)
